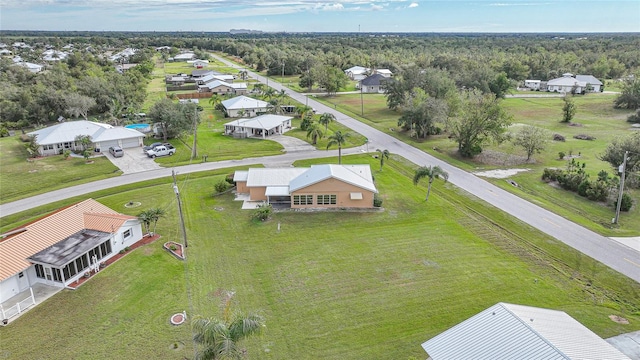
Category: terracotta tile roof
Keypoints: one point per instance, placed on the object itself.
(47, 231)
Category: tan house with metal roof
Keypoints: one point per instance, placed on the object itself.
(320, 186)
(58, 249)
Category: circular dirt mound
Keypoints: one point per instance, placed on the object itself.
(178, 319)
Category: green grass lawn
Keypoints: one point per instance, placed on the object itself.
(332, 285)
(20, 178)
(595, 116)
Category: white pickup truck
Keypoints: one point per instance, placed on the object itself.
(162, 150)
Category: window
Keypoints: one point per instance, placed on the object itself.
(47, 147)
(105, 248)
(20, 274)
(56, 275)
(326, 199)
(302, 199)
(126, 234)
(40, 271)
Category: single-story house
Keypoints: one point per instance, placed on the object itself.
(263, 125)
(59, 248)
(34, 68)
(532, 84)
(320, 186)
(55, 139)
(5, 52)
(184, 56)
(508, 331)
(250, 107)
(200, 73)
(566, 84)
(372, 84)
(175, 80)
(121, 68)
(54, 55)
(222, 88)
(357, 72)
(198, 64)
(593, 84)
(384, 72)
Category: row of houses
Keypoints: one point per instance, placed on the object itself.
(568, 83)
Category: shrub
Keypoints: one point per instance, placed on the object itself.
(551, 174)
(561, 155)
(262, 212)
(584, 137)
(558, 137)
(626, 203)
(635, 117)
(66, 154)
(127, 248)
(221, 186)
(377, 201)
(229, 179)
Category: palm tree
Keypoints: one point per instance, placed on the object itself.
(243, 113)
(383, 154)
(146, 218)
(215, 100)
(269, 93)
(314, 132)
(338, 138)
(302, 110)
(431, 172)
(156, 214)
(325, 119)
(220, 338)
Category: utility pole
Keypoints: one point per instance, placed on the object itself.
(622, 169)
(194, 150)
(361, 100)
(282, 78)
(175, 190)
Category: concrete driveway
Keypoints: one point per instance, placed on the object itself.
(133, 161)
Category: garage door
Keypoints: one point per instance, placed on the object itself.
(129, 143)
(103, 146)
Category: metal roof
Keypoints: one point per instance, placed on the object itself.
(264, 122)
(357, 175)
(67, 132)
(277, 191)
(375, 79)
(244, 102)
(240, 175)
(508, 331)
(18, 245)
(258, 177)
(589, 79)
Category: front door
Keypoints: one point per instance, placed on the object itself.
(23, 281)
(47, 274)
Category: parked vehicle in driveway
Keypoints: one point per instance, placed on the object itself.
(161, 150)
(150, 147)
(116, 151)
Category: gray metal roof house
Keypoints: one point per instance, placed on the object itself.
(508, 331)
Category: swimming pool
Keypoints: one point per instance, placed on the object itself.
(139, 127)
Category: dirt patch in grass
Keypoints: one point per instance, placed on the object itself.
(491, 157)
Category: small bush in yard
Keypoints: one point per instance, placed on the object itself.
(626, 203)
(262, 212)
(229, 179)
(558, 137)
(221, 186)
(561, 155)
(584, 137)
(377, 201)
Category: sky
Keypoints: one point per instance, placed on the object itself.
(494, 16)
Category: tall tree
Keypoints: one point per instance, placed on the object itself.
(568, 109)
(326, 119)
(78, 105)
(481, 119)
(382, 154)
(173, 118)
(338, 138)
(630, 96)
(431, 173)
(532, 139)
(614, 153)
(421, 113)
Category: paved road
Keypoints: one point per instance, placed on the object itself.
(601, 248)
(617, 256)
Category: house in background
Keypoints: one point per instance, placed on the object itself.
(198, 64)
(532, 84)
(357, 72)
(53, 140)
(384, 72)
(56, 250)
(223, 88)
(247, 106)
(372, 84)
(593, 84)
(262, 126)
(566, 84)
(184, 57)
(320, 186)
(508, 331)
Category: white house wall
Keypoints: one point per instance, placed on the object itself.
(9, 288)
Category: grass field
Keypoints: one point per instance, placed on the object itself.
(20, 178)
(332, 285)
(595, 117)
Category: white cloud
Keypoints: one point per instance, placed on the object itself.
(413, 5)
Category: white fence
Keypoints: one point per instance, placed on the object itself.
(19, 307)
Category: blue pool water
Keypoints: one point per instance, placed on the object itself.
(137, 126)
